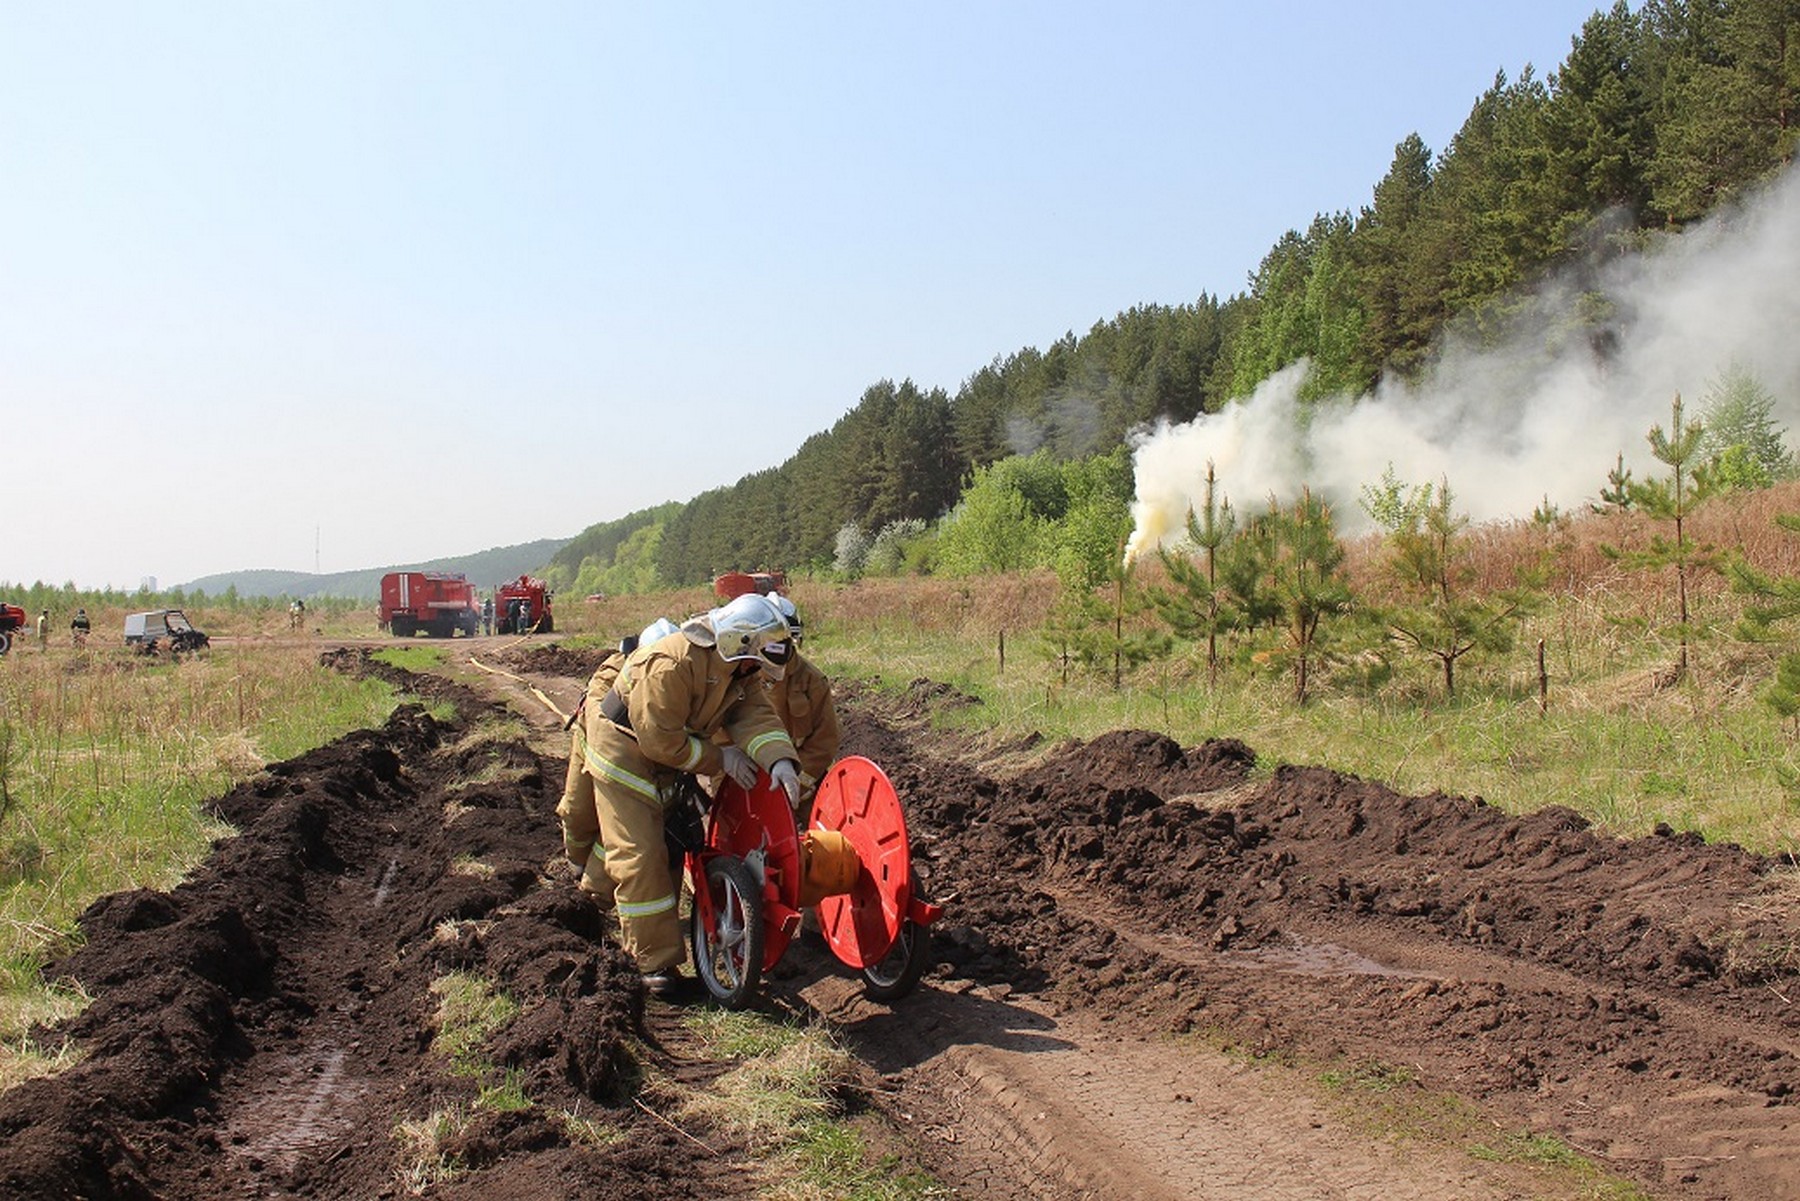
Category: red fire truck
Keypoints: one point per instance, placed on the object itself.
(532, 616)
(734, 584)
(438, 602)
(12, 620)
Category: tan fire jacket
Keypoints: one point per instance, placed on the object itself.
(678, 696)
(802, 698)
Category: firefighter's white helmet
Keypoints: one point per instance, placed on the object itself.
(749, 627)
(791, 615)
(656, 631)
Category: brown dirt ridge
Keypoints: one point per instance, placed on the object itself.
(1132, 927)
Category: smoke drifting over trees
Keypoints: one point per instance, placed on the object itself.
(1511, 312)
(1579, 374)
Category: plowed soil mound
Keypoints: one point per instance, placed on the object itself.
(1634, 997)
(261, 1029)
(264, 1028)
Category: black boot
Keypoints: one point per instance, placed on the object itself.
(670, 984)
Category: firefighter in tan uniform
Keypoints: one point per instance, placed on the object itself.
(802, 698)
(580, 820)
(652, 722)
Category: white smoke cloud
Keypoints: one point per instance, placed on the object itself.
(1541, 417)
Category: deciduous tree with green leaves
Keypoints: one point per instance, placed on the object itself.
(1394, 504)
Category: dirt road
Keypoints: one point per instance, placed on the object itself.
(1151, 959)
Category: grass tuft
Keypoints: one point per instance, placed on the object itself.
(598, 1133)
(777, 1090)
(504, 1096)
(469, 1011)
(420, 659)
(830, 1161)
(1557, 1159)
(782, 1100)
(424, 1162)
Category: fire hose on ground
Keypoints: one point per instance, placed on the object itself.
(532, 688)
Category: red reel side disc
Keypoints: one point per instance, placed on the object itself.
(857, 799)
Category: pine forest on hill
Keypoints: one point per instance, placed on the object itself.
(1655, 119)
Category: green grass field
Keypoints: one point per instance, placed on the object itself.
(105, 760)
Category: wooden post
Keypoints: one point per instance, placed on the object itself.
(1002, 652)
(1119, 631)
(1543, 682)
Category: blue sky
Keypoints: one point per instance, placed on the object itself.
(349, 284)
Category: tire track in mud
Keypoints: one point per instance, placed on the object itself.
(1016, 1100)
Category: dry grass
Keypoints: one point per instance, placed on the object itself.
(983, 605)
(424, 1162)
(616, 616)
(1619, 738)
(105, 758)
(781, 1085)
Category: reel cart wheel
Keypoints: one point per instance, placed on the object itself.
(899, 970)
(726, 929)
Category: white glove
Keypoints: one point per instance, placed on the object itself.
(784, 774)
(740, 767)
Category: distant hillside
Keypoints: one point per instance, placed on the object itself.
(484, 569)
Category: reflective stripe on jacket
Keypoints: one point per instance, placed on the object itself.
(679, 695)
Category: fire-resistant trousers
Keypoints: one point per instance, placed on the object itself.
(637, 861)
(581, 825)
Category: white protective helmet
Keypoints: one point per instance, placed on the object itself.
(749, 627)
(791, 615)
(657, 630)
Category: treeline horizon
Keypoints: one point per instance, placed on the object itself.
(1652, 121)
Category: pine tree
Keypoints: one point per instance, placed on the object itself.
(1616, 496)
(1739, 416)
(1304, 580)
(1098, 632)
(1428, 560)
(1774, 600)
(1196, 609)
(1672, 499)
